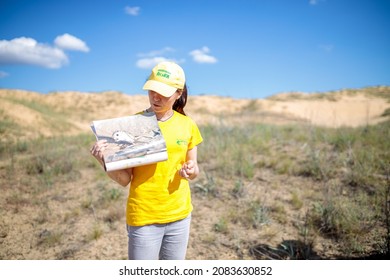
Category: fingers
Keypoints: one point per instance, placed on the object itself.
(183, 173)
(187, 169)
(98, 148)
(190, 164)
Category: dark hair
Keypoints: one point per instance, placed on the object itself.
(180, 103)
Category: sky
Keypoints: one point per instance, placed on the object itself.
(234, 48)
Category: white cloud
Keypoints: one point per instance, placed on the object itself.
(28, 51)
(70, 42)
(150, 62)
(24, 50)
(150, 59)
(201, 56)
(133, 11)
(3, 74)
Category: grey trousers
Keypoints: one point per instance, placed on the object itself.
(159, 241)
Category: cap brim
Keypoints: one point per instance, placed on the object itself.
(160, 88)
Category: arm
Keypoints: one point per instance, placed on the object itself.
(122, 177)
(190, 168)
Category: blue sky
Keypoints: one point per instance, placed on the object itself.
(236, 48)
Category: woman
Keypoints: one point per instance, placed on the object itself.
(158, 211)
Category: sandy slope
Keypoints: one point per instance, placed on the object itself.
(348, 111)
(71, 112)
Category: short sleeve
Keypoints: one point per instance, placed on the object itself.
(196, 137)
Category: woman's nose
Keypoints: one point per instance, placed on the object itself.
(156, 96)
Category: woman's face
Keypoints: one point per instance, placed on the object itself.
(162, 104)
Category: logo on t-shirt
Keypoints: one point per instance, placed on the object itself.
(181, 142)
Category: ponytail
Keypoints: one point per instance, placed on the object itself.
(180, 103)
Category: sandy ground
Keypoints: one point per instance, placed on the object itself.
(27, 228)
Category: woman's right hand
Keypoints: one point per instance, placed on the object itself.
(98, 148)
(122, 177)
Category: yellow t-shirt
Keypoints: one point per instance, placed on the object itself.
(158, 194)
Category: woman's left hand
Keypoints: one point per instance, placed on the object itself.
(188, 170)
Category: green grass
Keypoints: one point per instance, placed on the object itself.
(351, 164)
(355, 161)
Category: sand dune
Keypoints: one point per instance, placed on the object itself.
(348, 111)
(35, 114)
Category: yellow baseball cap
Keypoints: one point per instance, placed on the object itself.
(166, 78)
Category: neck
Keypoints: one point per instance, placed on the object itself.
(163, 116)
